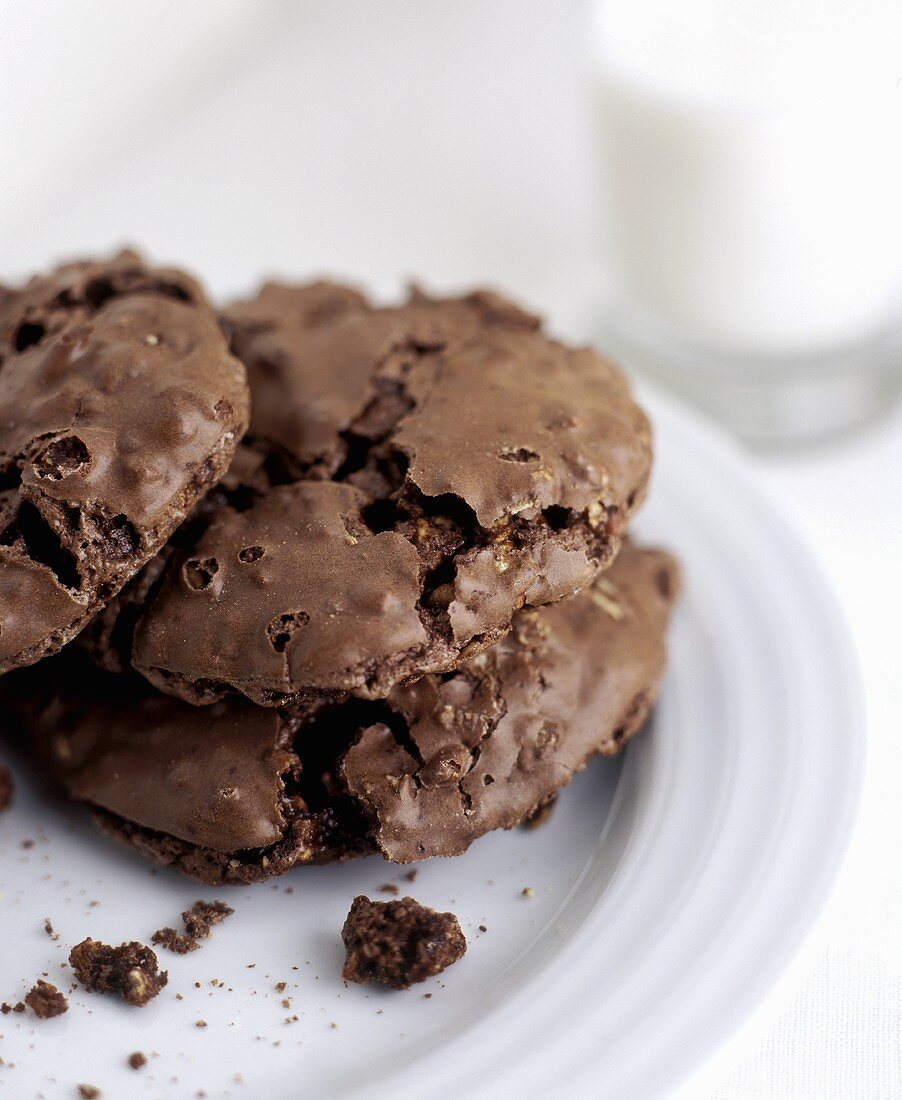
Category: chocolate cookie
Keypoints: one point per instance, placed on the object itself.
(120, 405)
(109, 636)
(236, 793)
(435, 466)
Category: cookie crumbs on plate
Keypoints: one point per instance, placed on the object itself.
(6, 788)
(137, 1059)
(129, 970)
(45, 1000)
(202, 915)
(7, 1008)
(176, 942)
(482, 928)
(398, 943)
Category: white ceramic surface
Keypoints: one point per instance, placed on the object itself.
(670, 887)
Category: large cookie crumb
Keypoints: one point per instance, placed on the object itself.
(45, 1000)
(399, 942)
(129, 970)
(6, 788)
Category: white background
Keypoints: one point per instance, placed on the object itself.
(384, 139)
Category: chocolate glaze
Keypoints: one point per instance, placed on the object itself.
(446, 464)
(236, 793)
(120, 406)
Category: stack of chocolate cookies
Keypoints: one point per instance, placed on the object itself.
(338, 579)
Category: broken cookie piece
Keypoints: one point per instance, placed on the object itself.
(45, 1000)
(129, 970)
(398, 943)
(122, 407)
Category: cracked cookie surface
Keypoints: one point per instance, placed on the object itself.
(237, 793)
(434, 468)
(121, 406)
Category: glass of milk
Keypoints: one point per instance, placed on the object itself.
(752, 174)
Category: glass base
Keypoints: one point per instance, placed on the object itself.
(770, 401)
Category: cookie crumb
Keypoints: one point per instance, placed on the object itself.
(202, 915)
(200, 1023)
(6, 788)
(5, 1008)
(540, 814)
(398, 943)
(482, 928)
(29, 843)
(389, 888)
(137, 1059)
(89, 1092)
(281, 987)
(527, 892)
(45, 1000)
(48, 928)
(129, 970)
(174, 941)
(411, 874)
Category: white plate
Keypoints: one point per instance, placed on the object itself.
(670, 888)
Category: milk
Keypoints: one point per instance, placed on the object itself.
(752, 166)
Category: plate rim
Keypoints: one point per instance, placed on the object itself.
(521, 1079)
